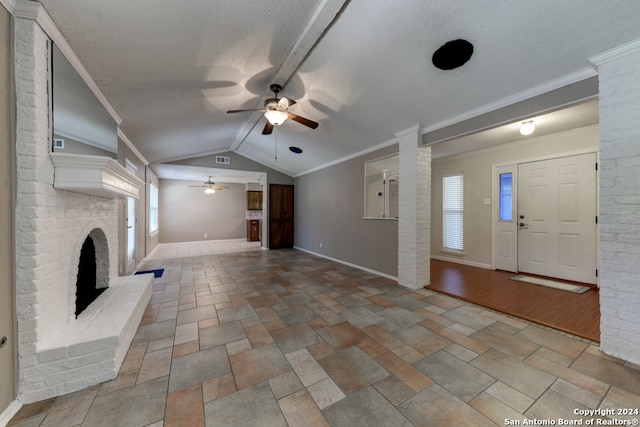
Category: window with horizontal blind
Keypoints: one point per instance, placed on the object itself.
(453, 213)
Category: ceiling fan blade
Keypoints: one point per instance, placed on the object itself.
(302, 120)
(268, 127)
(242, 111)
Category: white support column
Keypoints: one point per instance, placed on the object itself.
(620, 201)
(414, 223)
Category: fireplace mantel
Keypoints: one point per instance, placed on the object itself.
(94, 175)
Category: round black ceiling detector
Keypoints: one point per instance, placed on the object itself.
(452, 54)
(296, 150)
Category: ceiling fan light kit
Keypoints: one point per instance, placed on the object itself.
(275, 117)
(210, 187)
(276, 111)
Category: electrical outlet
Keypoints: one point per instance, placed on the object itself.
(320, 245)
(206, 235)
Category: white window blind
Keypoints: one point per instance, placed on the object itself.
(153, 208)
(453, 212)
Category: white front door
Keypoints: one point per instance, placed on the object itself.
(557, 218)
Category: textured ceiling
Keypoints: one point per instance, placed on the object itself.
(361, 68)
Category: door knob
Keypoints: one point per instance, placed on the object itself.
(3, 341)
(521, 216)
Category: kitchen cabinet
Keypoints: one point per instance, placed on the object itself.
(253, 230)
(254, 200)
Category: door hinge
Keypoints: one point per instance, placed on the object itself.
(596, 272)
(596, 165)
(596, 219)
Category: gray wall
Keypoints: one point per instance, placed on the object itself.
(237, 162)
(187, 214)
(7, 206)
(329, 210)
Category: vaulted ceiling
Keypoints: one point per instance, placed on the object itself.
(361, 68)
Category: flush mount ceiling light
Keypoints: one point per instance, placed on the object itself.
(296, 150)
(452, 54)
(527, 128)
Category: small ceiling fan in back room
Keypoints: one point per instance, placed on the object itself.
(276, 111)
(210, 186)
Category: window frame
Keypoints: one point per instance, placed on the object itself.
(453, 213)
(154, 226)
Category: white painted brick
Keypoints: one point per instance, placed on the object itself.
(414, 212)
(620, 207)
(59, 354)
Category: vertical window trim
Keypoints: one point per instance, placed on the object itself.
(153, 209)
(451, 208)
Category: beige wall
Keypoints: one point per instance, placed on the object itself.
(7, 205)
(187, 213)
(477, 169)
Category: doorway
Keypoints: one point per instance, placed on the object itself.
(545, 223)
(130, 224)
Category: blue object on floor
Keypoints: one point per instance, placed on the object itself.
(156, 273)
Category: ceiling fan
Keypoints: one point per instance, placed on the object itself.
(276, 111)
(210, 186)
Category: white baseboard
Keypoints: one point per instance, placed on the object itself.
(9, 412)
(359, 267)
(463, 262)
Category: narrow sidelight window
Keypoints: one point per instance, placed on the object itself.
(506, 197)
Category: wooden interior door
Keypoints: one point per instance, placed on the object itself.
(280, 216)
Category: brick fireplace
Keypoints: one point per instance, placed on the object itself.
(62, 200)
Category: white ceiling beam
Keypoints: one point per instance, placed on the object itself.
(321, 20)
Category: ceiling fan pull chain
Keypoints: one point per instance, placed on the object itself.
(276, 147)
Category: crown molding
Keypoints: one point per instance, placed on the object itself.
(132, 147)
(518, 97)
(615, 53)
(35, 11)
(349, 157)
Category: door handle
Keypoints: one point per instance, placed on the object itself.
(3, 341)
(523, 225)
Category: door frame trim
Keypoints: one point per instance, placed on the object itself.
(515, 163)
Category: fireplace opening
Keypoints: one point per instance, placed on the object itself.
(87, 289)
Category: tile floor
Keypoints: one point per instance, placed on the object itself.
(283, 338)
